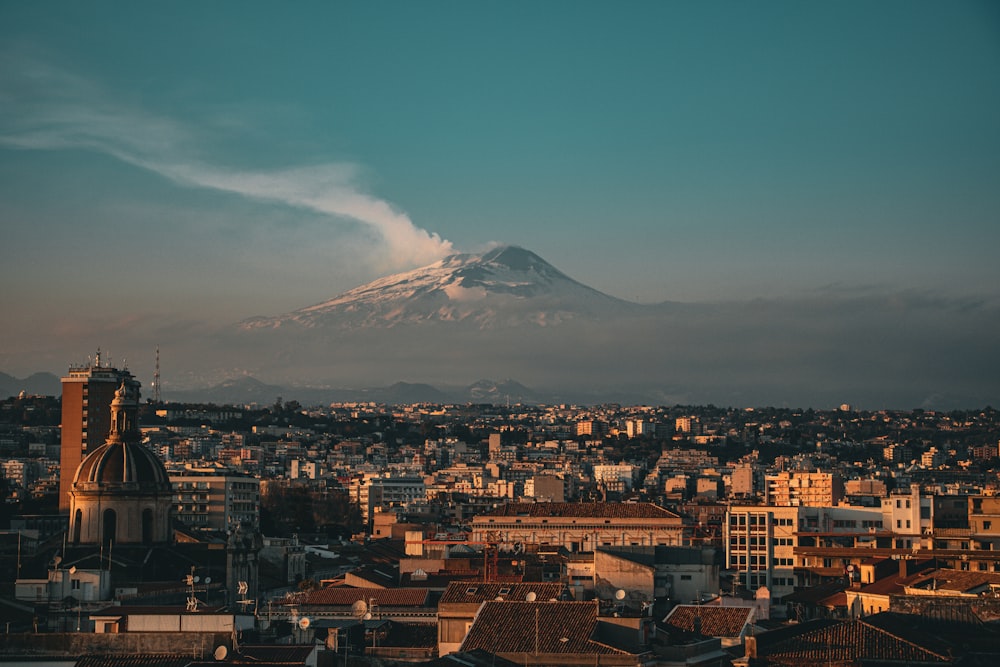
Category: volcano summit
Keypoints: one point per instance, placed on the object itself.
(505, 287)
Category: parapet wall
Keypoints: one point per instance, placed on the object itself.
(197, 645)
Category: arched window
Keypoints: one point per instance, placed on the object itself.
(147, 526)
(77, 526)
(110, 527)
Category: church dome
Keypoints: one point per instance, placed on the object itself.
(122, 464)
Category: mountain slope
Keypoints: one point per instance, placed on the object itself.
(42, 384)
(507, 286)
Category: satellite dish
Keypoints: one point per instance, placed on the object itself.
(620, 594)
(367, 616)
(208, 580)
(196, 579)
(72, 569)
(304, 623)
(220, 652)
(57, 560)
(530, 597)
(359, 608)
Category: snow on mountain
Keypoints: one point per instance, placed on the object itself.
(506, 286)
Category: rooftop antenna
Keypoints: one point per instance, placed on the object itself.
(156, 378)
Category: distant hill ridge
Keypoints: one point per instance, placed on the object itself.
(39, 384)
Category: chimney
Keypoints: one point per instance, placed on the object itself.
(904, 568)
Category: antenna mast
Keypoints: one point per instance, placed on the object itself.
(156, 377)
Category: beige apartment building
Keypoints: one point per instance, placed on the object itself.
(803, 489)
(215, 497)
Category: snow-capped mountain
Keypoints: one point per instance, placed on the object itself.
(506, 286)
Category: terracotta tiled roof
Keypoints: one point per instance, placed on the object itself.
(816, 594)
(341, 596)
(715, 621)
(959, 581)
(850, 642)
(587, 510)
(542, 627)
(477, 591)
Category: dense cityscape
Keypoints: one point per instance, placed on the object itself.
(445, 534)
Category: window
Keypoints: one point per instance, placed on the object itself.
(685, 577)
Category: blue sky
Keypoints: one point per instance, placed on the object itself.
(188, 164)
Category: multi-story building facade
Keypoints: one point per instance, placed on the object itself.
(910, 516)
(636, 428)
(87, 392)
(215, 497)
(984, 521)
(762, 541)
(592, 427)
(374, 493)
(806, 489)
(615, 477)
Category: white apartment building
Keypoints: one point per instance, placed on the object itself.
(760, 540)
(615, 477)
(299, 469)
(910, 516)
(373, 492)
(636, 427)
(22, 473)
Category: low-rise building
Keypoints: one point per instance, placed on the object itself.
(580, 526)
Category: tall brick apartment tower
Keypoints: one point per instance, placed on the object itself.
(87, 392)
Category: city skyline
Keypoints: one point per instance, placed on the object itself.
(173, 170)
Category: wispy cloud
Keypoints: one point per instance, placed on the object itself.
(47, 108)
